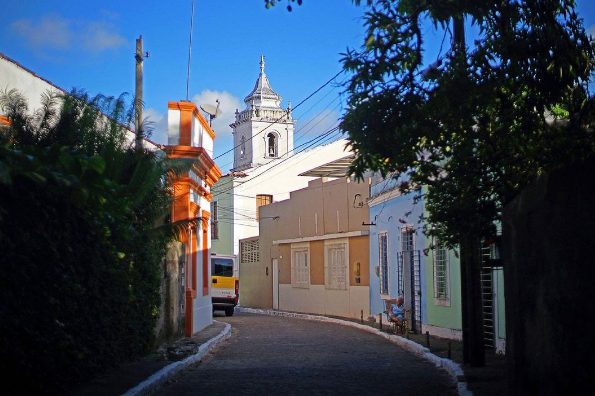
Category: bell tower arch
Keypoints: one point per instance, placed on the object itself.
(263, 131)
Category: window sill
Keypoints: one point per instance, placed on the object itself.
(442, 302)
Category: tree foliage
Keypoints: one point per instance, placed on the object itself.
(479, 122)
(271, 3)
(81, 259)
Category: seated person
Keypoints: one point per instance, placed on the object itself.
(397, 311)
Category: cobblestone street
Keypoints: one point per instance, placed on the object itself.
(279, 355)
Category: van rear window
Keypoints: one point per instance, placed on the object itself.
(221, 267)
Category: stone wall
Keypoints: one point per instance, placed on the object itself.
(548, 251)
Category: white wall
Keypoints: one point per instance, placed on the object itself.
(173, 127)
(319, 300)
(32, 86)
(278, 181)
(202, 305)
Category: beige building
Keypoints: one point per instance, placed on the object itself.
(312, 252)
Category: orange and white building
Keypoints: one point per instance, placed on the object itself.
(191, 138)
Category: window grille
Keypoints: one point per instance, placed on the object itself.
(407, 239)
(406, 256)
(214, 220)
(249, 251)
(383, 257)
(441, 273)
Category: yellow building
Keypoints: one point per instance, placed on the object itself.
(312, 251)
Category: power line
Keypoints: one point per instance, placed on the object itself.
(319, 120)
(235, 223)
(319, 139)
(280, 118)
(309, 144)
(327, 139)
(229, 210)
(323, 112)
(328, 135)
(313, 141)
(254, 196)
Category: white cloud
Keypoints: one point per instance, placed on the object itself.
(53, 32)
(227, 104)
(157, 124)
(99, 36)
(591, 31)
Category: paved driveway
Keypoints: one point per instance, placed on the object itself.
(286, 356)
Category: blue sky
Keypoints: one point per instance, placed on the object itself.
(90, 45)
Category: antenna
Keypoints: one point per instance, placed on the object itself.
(190, 50)
(212, 111)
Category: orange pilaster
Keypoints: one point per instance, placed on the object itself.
(183, 209)
(205, 253)
(189, 314)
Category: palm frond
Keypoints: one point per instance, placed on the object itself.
(175, 230)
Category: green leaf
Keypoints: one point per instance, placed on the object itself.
(370, 41)
(36, 177)
(97, 164)
(5, 177)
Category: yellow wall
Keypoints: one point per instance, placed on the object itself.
(323, 210)
(317, 263)
(285, 264)
(359, 252)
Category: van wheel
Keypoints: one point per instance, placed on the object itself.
(229, 311)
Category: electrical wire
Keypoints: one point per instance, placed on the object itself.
(280, 118)
(318, 140)
(322, 112)
(313, 141)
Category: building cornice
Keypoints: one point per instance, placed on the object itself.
(384, 196)
(190, 106)
(338, 235)
(204, 166)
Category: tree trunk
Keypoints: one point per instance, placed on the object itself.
(473, 348)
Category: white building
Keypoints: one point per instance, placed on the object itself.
(13, 75)
(266, 166)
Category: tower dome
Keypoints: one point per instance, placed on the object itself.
(263, 95)
(263, 131)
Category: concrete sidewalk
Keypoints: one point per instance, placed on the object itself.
(144, 374)
(489, 380)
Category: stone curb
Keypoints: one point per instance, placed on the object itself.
(170, 370)
(452, 368)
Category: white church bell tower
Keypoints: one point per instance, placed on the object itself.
(263, 131)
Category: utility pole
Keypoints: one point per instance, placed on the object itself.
(138, 96)
(472, 316)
